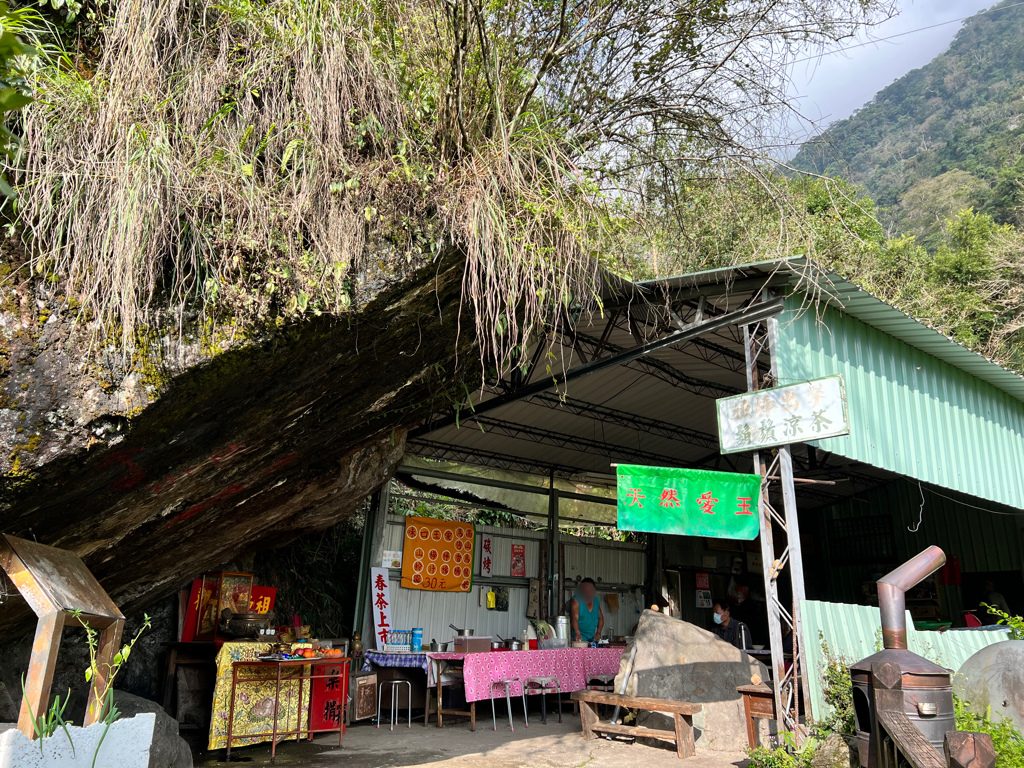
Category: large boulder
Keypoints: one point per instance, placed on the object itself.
(8, 709)
(679, 661)
(994, 677)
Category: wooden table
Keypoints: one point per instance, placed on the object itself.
(758, 703)
(441, 711)
(682, 713)
(296, 665)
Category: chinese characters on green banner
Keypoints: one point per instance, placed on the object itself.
(810, 410)
(688, 502)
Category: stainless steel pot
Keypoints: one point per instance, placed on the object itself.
(497, 645)
(511, 644)
(462, 632)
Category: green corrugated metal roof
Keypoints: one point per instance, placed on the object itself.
(921, 404)
(856, 302)
(910, 412)
(854, 632)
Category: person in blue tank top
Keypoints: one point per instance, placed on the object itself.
(585, 613)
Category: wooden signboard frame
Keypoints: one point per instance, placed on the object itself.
(56, 584)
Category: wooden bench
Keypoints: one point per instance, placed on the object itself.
(682, 713)
(758, 702)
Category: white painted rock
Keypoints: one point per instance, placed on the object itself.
(127, 744)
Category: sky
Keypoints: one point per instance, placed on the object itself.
(832, 87)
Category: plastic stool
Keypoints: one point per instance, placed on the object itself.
(508, 684)
(394, 700)
(543, 685)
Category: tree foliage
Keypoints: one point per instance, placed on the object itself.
(944, 137)
(969, 285)
(241, 159)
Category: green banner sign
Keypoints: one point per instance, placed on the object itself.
(688, 502)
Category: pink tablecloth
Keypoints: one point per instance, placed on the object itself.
(572, 666)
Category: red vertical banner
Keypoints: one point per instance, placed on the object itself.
(188, 629)
(327, 706)
(518, 560)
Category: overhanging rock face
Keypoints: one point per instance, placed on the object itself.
(255, 447)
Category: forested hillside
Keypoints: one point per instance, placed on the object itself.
(941, 138)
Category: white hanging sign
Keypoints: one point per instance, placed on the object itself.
(797, 413)
(380, 604)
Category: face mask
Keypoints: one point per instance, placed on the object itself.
(718, 618)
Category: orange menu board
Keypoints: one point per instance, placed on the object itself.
(438, 555)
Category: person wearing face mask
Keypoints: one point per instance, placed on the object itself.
(728, 629)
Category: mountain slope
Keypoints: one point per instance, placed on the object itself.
(943, 137)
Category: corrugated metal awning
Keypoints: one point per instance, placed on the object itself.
(659, 408)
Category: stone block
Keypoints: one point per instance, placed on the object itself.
(680, 661)
(134, 742)
(993, 680)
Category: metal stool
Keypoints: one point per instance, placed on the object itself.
(394, 700)
(542, 685)
(508, 684)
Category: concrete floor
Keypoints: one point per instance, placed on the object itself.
(455, 746)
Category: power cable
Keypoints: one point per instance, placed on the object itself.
(904, 34)
(920, 512)
(973, 506)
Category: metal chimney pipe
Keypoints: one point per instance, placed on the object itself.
(892, 597)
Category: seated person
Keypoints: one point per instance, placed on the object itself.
(731, 631)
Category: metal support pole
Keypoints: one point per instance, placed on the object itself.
(379, 525)
(796, 557)
(372, 557)
(363, 582)
(750, 346)
(761, 339)
(655, 547)
(554, 566)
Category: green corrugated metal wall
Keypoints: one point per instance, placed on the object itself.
(910, 413)
(987, 540)
(853, 632)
